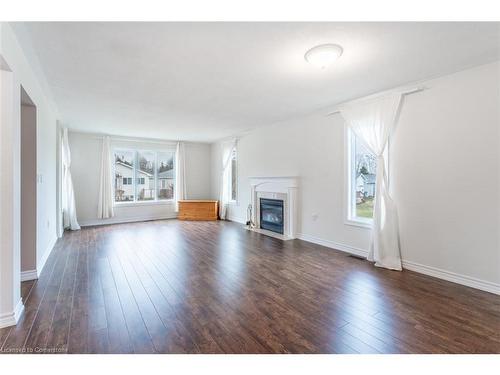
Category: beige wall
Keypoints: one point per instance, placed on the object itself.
(28, 188)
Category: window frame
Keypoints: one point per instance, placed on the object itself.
(230, 176)
(171, 200)
(350, 217)
(135, 184)
(113, 161)
(137, 179)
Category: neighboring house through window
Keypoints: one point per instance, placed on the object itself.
(362, 169)
(165, 175)
(143, 175)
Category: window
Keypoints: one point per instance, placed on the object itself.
(234, 176)
(142, 176)
(124, 169)
(362, 177)
(145, 175)
(166, 175)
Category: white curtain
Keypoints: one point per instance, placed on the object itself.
(227, 151)
(180, 174)
(68, 195)
(105, 208)
(372, 121)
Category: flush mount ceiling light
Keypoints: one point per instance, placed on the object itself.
(323, 55)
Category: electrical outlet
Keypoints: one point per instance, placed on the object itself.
(314, 217)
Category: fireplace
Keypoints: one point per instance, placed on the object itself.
(271, 215)
(274, 206)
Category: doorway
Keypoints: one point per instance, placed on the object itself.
(28, 187)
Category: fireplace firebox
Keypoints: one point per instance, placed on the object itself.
(271, 215)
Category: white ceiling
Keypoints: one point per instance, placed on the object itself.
(205, 81)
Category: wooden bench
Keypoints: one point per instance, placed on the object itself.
(198, 210)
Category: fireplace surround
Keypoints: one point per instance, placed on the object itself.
(279, 195)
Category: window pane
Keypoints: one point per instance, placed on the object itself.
(234, 176)
(365, 172)
(166, 175)
(145, 178)
(124, 170)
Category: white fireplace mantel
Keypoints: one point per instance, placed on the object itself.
(280, 182)
(279, 187)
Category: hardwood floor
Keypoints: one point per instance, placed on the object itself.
(213, 287)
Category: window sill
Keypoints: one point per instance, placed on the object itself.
(145, 203)
(233, 203)
(359, 223)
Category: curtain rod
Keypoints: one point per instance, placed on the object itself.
(131, 139)
(407, 92)
(139, 140)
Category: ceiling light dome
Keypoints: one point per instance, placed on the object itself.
(323, 55)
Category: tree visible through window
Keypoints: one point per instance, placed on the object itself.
(363, 166)
(143, 175)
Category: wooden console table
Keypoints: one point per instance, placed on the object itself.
(198, 210)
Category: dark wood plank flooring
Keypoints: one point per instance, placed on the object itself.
(213, 287)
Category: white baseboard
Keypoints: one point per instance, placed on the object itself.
(469, 281)
(7, 320)
(11, 319)
(472, 282)
(18, 311)
(236, 219)
(121, 220)
(43, 260)
(29, 275)
(334, 245)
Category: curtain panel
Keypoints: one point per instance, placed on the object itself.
(105, 208)
(372, 121)
(68, 195)
(224, 193)
(180, 174)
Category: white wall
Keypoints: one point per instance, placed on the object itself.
(10, 210)
(27, 74)
(445, 165)
(23, 74)
(85, 166)
(28, 188)
(444, 173)
(198, 170)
